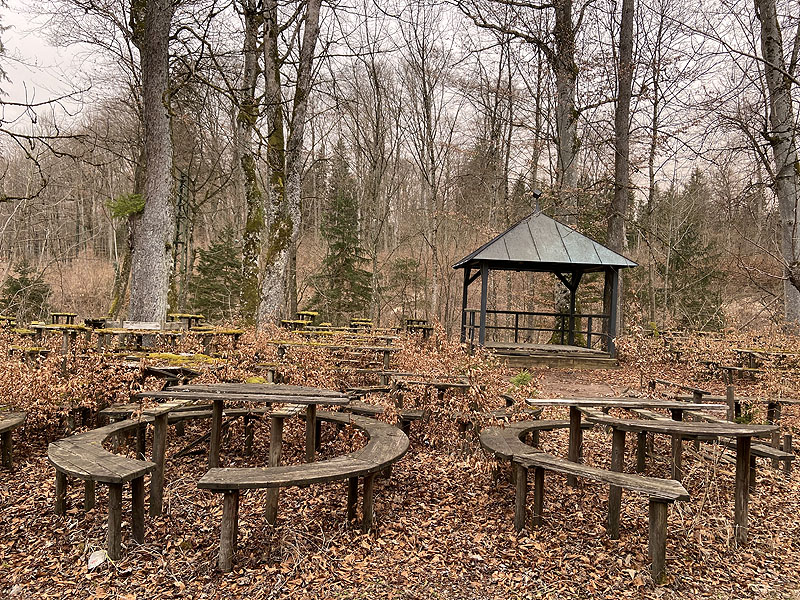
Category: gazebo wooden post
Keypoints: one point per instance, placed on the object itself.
(467, 272)
(484, 295)
(612, 317)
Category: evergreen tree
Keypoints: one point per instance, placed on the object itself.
(216, 287)
(25, 293)
(342, 287)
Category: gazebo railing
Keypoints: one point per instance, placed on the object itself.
(589, 324)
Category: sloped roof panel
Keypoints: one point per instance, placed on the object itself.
(539, 239)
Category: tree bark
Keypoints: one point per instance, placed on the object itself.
(150, 22)
(782, 137)
(247, 115)
(284, 159)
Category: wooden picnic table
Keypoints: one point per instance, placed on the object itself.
(254, 393)
(575, 404)
(697, 430)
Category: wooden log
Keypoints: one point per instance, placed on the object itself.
(137, 512)
(742, 488)
(538, 495)
(8, 460)
(575, 440)
(88, 495)
(311, 432)
(657, 543)
(157, 477)
(275, 443)
(614, 491)
(61, 493)
(114, 533)
(227, 541)
(521, 496)
(352, 498)
(369, 503)
(677, 457)
(641, 451)
(216, 434)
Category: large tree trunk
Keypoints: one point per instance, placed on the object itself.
(782, 137)
(151, 20)
(248, 112)
(284, 214)
(618, 211)
(562, 61)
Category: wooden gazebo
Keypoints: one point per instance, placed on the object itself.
(539, 243)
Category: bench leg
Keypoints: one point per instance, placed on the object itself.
(405, 427)
(352, 498)
(677, 457)
(575, 441)
(275, 444)
(753, 468)
(7, 451)
(248, 435)
(742, 489)
(180, 428)
(535, 439)
(157, 478)
(538, 495)
(641, 451)
(787, 447)
(61, 493)
(88, 495)
(141, 441)
(369, 502)
(228, 529)
(137, 512)
(658, 539)
(311, 432)
(521, 496)
(114, 534)
(614, 491)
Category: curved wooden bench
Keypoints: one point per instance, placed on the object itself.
(659, 491)
(82, 456)
(506, 443)
(8, 423)
(386, 445)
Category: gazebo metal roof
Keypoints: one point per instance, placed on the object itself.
(540, 243)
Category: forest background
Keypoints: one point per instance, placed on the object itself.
(425, 130)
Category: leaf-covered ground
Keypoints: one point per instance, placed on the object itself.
(443, 524)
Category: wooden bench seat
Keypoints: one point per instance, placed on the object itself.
(660, 492)
(506, 442)
(83, 457)
(386, 445)
(9, 421)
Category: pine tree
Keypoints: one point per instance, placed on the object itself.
(342, 287)
(216, 287)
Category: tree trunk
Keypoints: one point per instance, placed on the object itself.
(244, 141)
(562, 61)
(285, 160)
(618, 210)
(151, 21)
(783, 140)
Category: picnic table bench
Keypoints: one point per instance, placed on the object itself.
(386, 445)
(9, 421)
(705, 431)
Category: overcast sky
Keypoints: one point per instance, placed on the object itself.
(37, 70)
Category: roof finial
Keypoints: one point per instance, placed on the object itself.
(537, 193)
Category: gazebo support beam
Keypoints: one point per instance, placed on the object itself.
(484, 296)
(612, 281)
